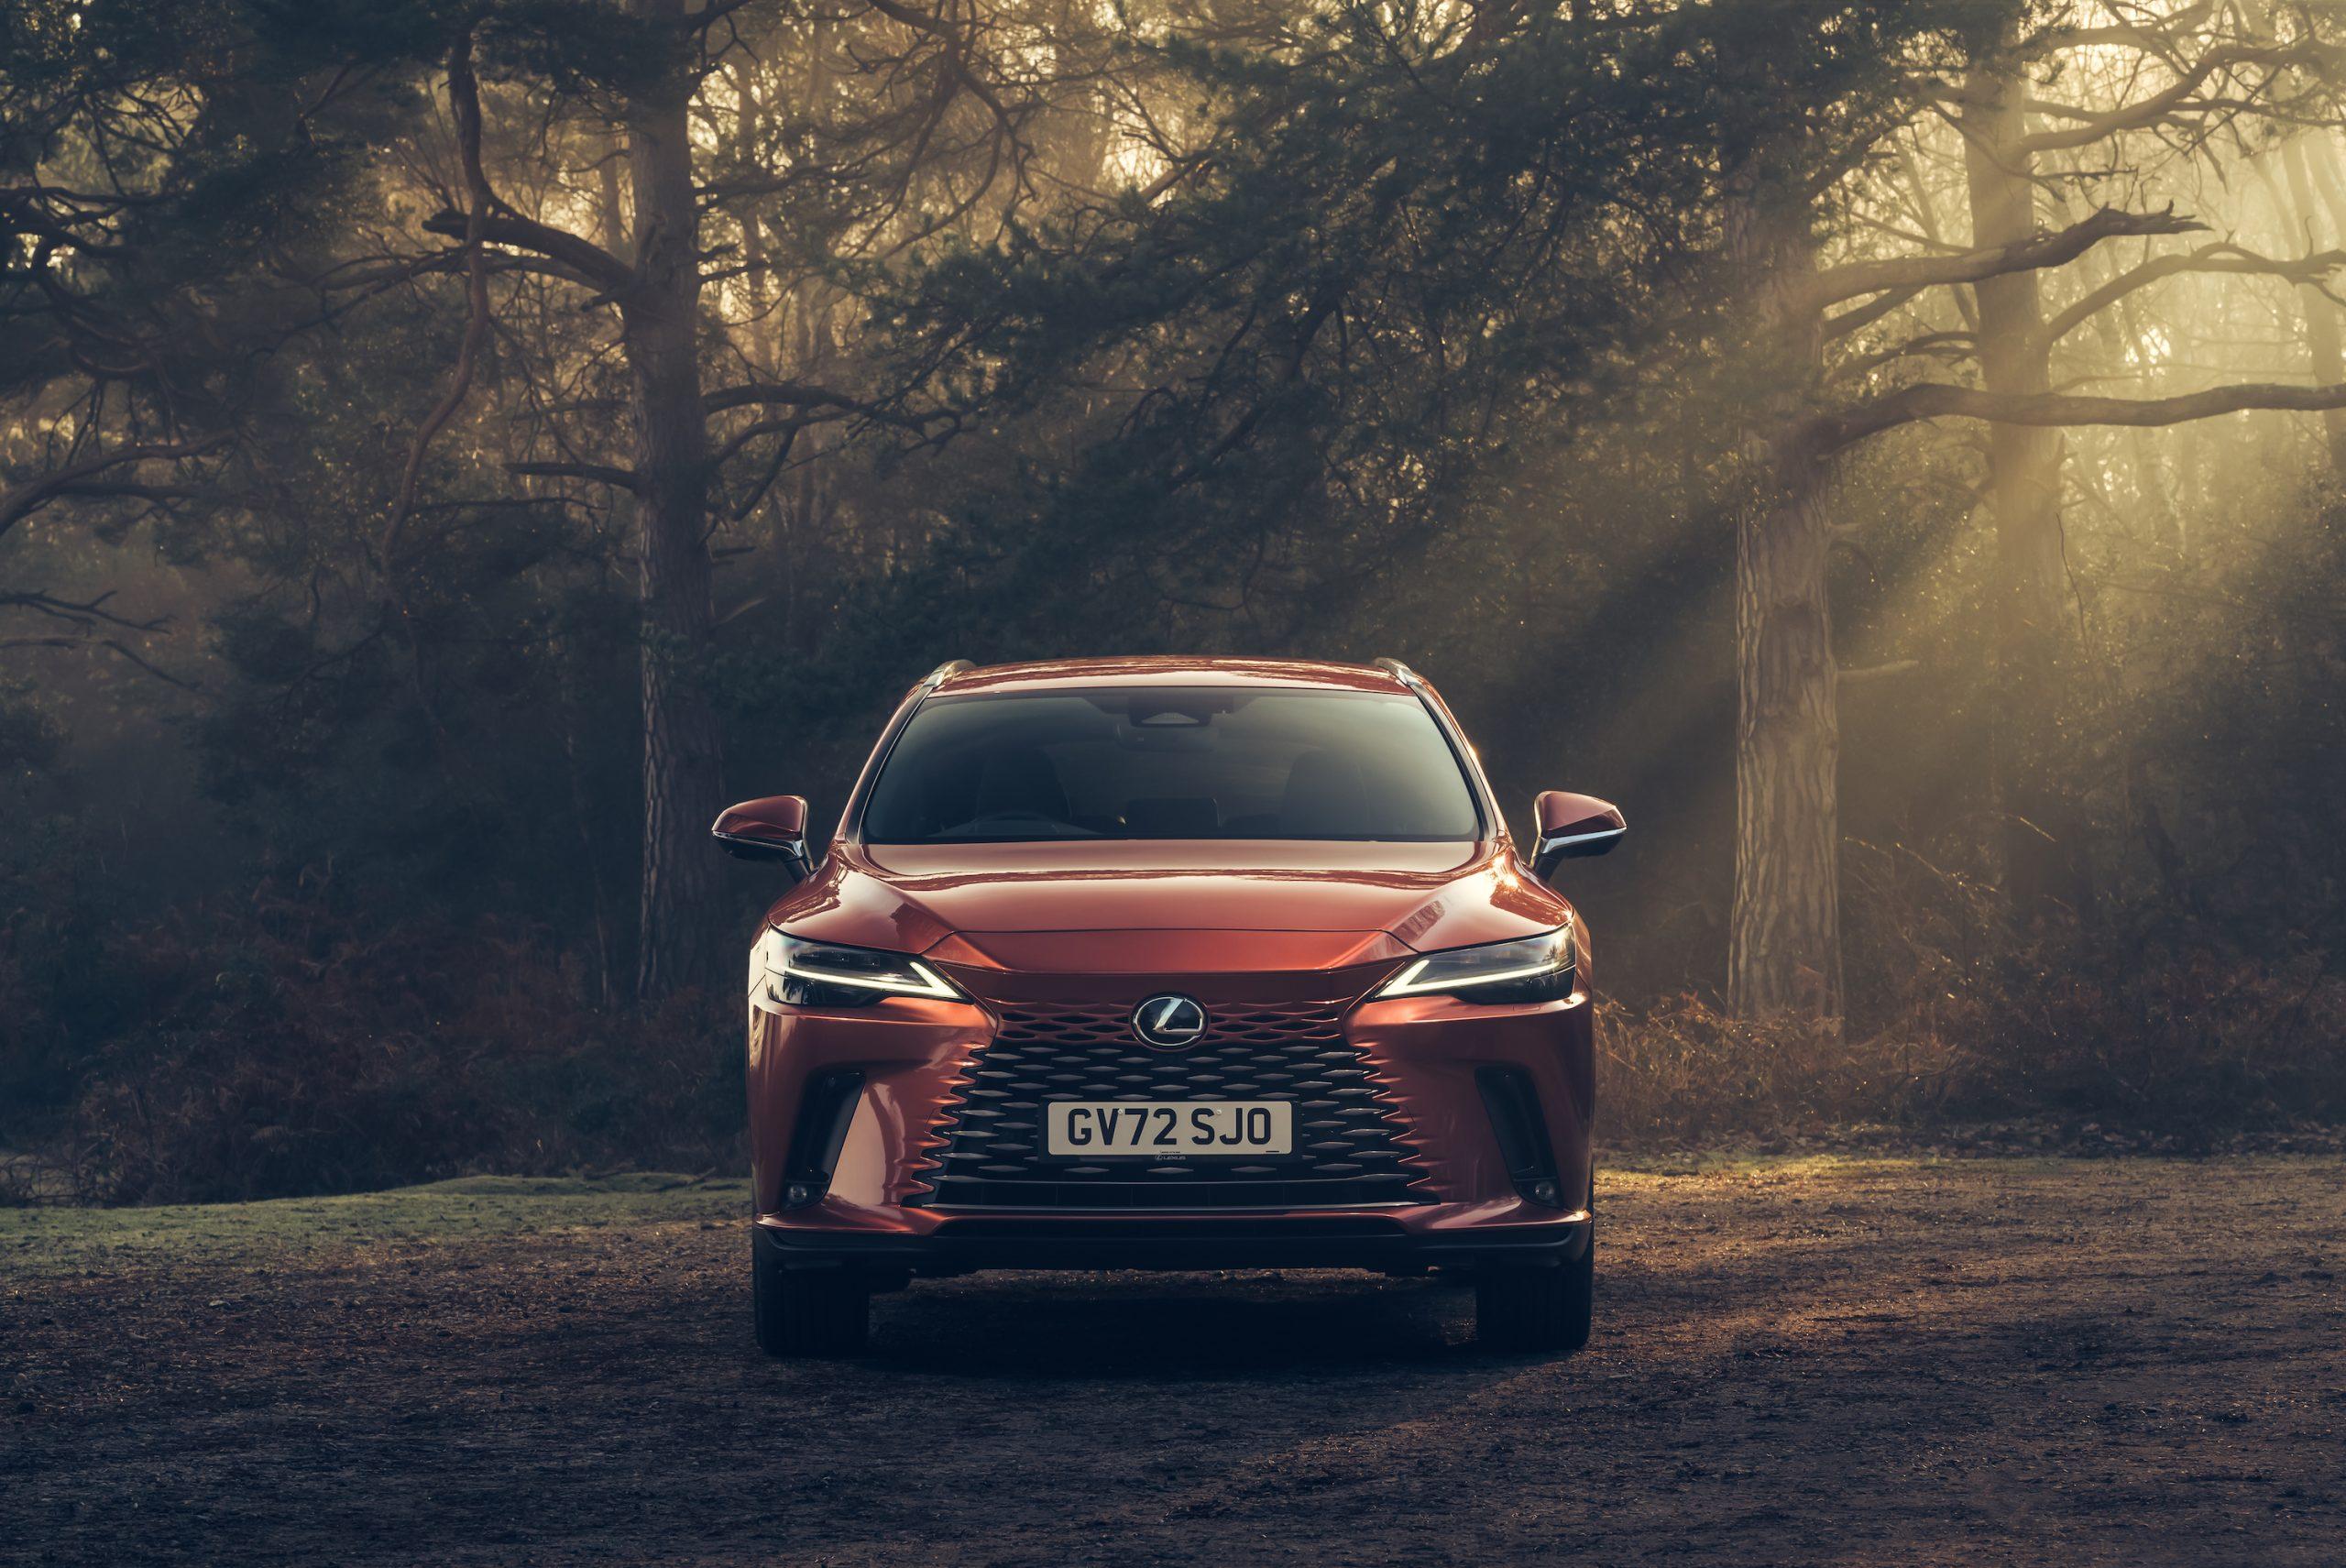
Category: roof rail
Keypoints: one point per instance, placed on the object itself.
(1400, 671)
(938, 676)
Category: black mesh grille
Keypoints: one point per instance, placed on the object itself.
(1347, 1135)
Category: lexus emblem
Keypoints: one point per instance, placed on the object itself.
(1169, 1022)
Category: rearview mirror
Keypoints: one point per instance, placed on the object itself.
(1573, 827)
(773, 828)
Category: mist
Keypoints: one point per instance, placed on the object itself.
(1893, 450)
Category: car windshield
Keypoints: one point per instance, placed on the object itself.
(1170, 763)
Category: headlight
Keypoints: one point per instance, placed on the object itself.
(786, 971)
(1537, 969)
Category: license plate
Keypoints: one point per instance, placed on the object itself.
(1161, 1127)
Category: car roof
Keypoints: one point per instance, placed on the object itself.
(1162, 670)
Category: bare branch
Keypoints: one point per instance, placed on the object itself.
(2093, 127)
(1931, 400)
(801, 395)
(2054, 250)
(779, 394)
(80, 612)
(2208, 259)
(20, 502)
(1941, 345)
(464, 95)
(956, 49)
(1859, 317)
(2123, 34)
(585, 261)
(112, 646)
(602, 474)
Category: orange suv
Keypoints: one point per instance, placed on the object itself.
(1170, 963)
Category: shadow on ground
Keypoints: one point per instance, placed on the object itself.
(1985, 1362)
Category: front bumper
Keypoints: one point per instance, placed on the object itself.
(1381, 1243)
(879, 1207)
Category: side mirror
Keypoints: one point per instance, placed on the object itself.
(1573, 827)
(774, 829)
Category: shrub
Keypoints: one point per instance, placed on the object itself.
(2147, 1026)
(289, 1050)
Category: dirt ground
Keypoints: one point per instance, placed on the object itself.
(1797, 1362)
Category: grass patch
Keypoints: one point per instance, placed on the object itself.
(466, 1209)
(1751, 1162)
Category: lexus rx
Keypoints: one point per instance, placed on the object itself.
(1177, 963)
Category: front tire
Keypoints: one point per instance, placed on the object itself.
(1547, 1309)
(806, 1312)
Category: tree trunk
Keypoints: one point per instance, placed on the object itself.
(2044, 832)
(1786, 935)
(1785, 931)
(681, 751)
(2322, 346)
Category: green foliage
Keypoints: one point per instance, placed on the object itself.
(1407, 256)
(267, 1234)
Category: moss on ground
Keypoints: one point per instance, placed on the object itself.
(468, 1208)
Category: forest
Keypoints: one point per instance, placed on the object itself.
(449, 448)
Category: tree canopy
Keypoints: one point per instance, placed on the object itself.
(447, 447)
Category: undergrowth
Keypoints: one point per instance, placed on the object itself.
(285, 1048)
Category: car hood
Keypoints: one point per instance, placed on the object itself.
(1122, 906)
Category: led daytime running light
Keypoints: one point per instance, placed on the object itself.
(932, 984)
(1410, 981)
(1408, 984)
